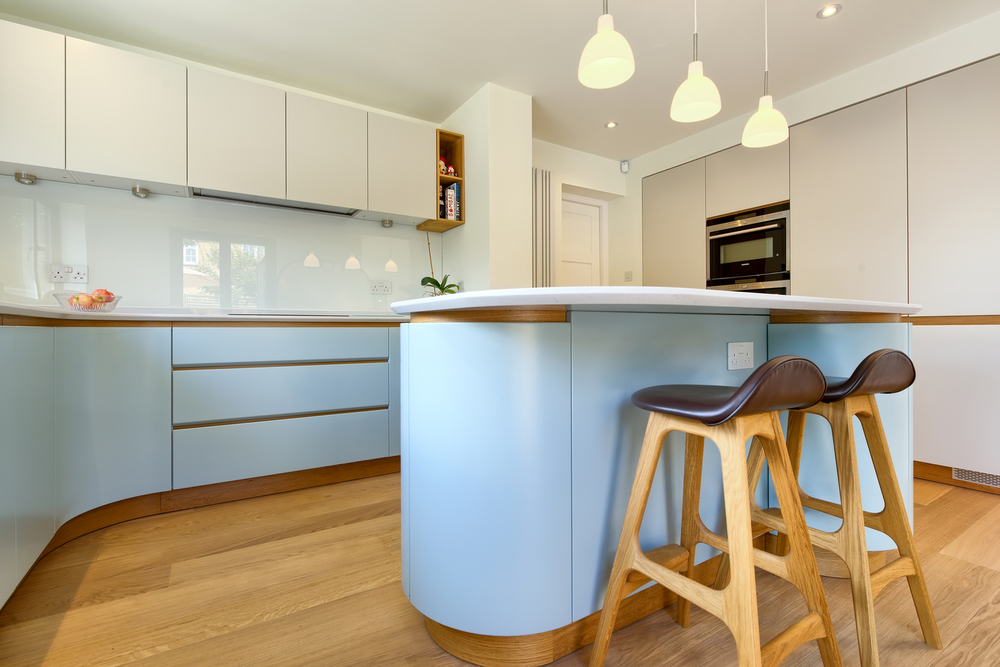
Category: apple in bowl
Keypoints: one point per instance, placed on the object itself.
(82, 300)
(102, 296)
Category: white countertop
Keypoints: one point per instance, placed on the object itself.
(645, 299)
(127, 314)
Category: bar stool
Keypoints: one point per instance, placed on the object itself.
(729, 416)
(882, 372)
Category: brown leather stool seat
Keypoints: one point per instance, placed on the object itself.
(729, 416)
(882, 372)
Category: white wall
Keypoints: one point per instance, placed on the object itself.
(969, 43)
(492, 250)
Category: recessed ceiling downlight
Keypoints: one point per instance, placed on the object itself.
(25, 179)
(828, 11)
(611, 125)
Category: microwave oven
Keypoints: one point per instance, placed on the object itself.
(749, 251)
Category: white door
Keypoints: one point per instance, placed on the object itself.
(580, 242)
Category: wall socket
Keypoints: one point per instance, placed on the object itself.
(740, 356)
(66, 273)
(380, 287)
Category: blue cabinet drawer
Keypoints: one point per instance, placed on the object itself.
(213, 454)
(226, 346)
(227, 394)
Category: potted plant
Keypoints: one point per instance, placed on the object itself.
(439, 287)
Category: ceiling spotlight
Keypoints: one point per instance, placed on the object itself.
(387, 223)
(26, 179)
(828, 11)
(141, 193)
(611, 124)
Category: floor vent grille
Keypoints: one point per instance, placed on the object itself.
(983, 478)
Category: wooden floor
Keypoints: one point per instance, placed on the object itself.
(312, 578)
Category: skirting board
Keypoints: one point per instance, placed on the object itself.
(945, 475)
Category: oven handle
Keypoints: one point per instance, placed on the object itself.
(712, 237)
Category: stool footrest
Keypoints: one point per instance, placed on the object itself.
(806, 629)
(671, 556)
(901, 567)
(872, 520)
(707, 598)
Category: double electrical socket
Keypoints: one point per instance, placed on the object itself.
(66, 273)
(380, 287)
(740, 356)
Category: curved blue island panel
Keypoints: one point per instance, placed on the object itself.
(519, 441)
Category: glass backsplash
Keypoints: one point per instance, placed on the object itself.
(176, 252)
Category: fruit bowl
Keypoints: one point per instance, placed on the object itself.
(105, 306)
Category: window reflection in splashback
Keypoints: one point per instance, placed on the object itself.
(175, 252)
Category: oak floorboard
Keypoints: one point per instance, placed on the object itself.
(312, 578)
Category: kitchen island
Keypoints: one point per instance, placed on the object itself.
(519, 443)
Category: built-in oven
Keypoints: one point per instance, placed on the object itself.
(748, 251)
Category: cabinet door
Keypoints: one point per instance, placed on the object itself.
(401, 167)
(954, 141)
(953, 400)
(236, 135)
(327, 152)
(126, 114)
(847, 235)
(112, 415)
(742, 178)
(32, 114)
(673, 227)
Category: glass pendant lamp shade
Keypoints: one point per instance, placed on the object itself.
(766, 127)
(352, 263)
(391, 267)
(311, 261)
(607, 60)
(697, 98)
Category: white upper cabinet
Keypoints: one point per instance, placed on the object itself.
(954, 144)
(236, 135)
(32, 99)
(741, 178)
(673, 227)
(327, 152)
(848, 189)
(401, 167)
(125, 115)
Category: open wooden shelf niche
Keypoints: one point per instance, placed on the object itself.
(451, 147)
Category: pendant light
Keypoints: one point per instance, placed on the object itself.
(697, 98)
(311, 260)
(607, 60)
(352, 263)
(767, 127)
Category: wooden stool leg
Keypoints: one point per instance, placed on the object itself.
(694, 452)
(628, 542)
(740, 608)
(852, 545)
(801, 561)
(755, 466)
(895, 522)
(793, 442)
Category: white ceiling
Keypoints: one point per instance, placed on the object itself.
(424, 58)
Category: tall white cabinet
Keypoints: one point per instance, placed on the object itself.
(673, 227)
(126, 116)
(32, 111)
(848, 193)
(236, 135)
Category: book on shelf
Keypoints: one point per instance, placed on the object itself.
(452, 204)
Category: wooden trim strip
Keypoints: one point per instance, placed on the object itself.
(282, 364)
(213, 494)
(25, 321)
(254, 420)
(828, 317)
(944, 475)
(513, 314)
(938, 320)
(546, 647)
